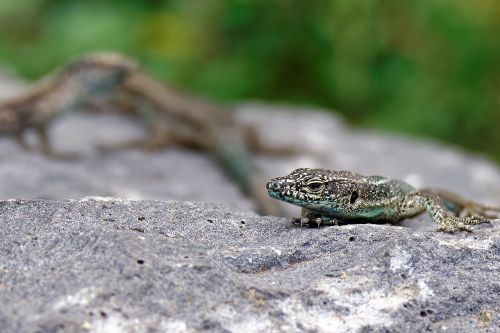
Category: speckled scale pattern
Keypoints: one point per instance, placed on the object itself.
(327, 196)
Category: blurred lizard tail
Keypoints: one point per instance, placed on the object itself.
(235, 159)
(219, 135)
(490, 212)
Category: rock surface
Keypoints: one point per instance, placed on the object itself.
(105, 265)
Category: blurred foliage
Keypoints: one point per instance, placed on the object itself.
(418, 66)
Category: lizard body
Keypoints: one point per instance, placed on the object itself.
(91, 75)
(174, 118)
(327, 196)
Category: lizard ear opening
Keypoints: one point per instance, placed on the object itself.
(354, 196)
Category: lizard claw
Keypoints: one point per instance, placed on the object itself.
(466, 228)
(306, 220)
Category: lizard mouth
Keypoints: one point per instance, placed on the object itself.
(275, 190)
(284, 193)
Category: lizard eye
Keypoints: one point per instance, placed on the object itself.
(315, 186)
(354, 196)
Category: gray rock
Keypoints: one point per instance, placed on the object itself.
(109, 265)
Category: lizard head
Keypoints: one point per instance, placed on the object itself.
(316, 189)
(98, 71)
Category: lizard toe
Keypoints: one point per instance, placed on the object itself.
(454, 227)
(476, 219)
(466, 228)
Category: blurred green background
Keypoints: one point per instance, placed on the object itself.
(421, 67)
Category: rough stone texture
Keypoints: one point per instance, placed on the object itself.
(144, 266)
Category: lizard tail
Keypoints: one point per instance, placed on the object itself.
(490, 212)
(235, 159)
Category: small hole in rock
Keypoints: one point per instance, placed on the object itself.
(211, 221)
(423, 313)
(242, 222)
(103, 314)
(141, 218)
(352, 239)
(140, 261)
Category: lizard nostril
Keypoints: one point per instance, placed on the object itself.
(275, 186)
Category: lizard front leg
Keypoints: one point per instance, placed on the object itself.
(45, 147)
(21, 141)
(43, 140)
(310, 218)
(418, 202)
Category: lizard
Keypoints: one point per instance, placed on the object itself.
(329, 197)
(173, 118)
(92, 75)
